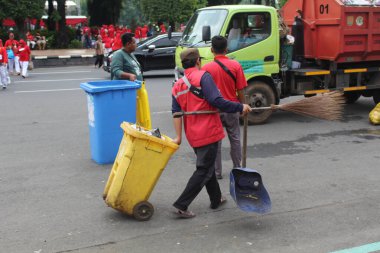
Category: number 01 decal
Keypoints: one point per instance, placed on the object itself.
(324, 9)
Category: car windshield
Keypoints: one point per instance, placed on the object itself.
(193, 32)
(361, 2)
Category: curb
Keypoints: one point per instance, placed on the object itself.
(63, 60)
(62, 57)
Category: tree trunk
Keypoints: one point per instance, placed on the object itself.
(20, 24)
(62, 40)
(50, 22)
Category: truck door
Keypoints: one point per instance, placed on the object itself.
(253, 41)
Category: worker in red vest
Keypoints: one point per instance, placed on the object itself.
(3, 66)
(197, 92)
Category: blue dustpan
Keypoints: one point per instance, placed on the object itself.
(246, 185)
(248, 191)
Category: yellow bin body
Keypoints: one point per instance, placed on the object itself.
(374, 116)
(138, 165)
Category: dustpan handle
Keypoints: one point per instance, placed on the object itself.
(245, 128)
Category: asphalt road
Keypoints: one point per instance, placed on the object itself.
(323, 178)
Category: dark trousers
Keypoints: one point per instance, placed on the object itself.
(99, 60)
(204, 175)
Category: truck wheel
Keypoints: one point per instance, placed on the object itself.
(376, 96)
(351, 97)
(143, 211)
(260, 95)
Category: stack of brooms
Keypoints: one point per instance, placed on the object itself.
(328, 106)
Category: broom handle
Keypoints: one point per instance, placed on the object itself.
(245, 130)
(179, 114)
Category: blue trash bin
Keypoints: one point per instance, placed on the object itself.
(109, 104)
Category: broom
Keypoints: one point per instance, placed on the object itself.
(328, 106)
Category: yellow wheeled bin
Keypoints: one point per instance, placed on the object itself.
(138, 165)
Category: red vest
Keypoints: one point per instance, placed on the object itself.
(201, 130)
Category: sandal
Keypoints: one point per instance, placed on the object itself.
(223, 200)
(185, 214)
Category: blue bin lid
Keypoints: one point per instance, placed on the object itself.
(108, 85)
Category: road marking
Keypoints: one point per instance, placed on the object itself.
(163, 112)
(37, 91)
(60, 80)
(64, 56)
(66, 72)
(40, 57)
(372, 247)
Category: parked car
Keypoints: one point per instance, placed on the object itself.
(155, 53)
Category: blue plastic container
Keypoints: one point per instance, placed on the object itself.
(109, 104)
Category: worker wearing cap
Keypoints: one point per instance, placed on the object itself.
(3, 66)
(197, 92)
(230, 80)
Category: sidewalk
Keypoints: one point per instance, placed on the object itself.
(62, 53)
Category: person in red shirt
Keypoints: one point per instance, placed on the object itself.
(13, 44)
(117, 42)
(162, 28)
(229, 77)
(108, 44)
(111, 31)
(3, 66)
(25, 58)
(30, 40)
(138, 34)
(144, 32)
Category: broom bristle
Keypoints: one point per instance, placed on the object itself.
(327, 106)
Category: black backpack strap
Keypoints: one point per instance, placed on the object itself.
(196, 91)
(226, 69)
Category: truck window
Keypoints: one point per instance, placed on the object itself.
(193, 32)
(246, 29)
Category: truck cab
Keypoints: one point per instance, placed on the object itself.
(336, 46)
(253, 40)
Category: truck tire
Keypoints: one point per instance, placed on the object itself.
(376, 96)
(260, 95)
(351, 97)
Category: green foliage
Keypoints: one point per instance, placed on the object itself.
(282, 2)
(75, 44)
(18, 10)
(170, 10)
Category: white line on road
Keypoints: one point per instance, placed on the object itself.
(163, 112)
(66, 72)
(60, 80)
(37, 91)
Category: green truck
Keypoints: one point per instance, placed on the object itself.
(255, 39)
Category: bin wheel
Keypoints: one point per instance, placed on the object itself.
(143, 211)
